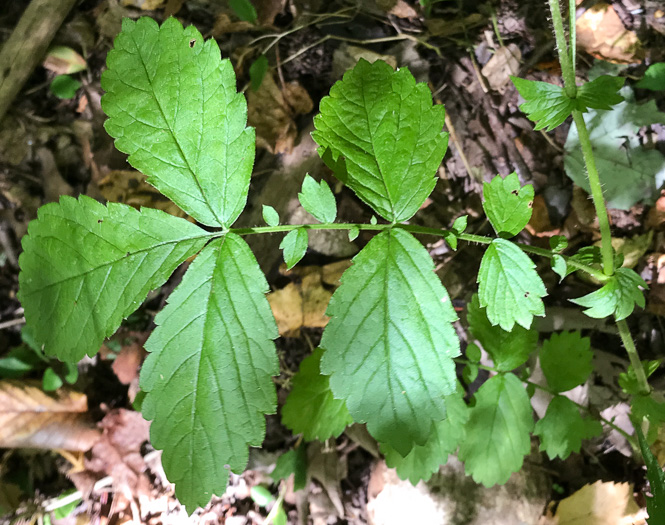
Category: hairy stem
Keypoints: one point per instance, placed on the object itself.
(423, 230)
(567, 60)
(629, 344)
(567, 67)
(606, 251)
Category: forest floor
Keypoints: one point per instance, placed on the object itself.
(94, 463)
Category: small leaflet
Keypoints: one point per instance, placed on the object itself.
(318, 200)
(509, 286)
(353, 233)
(508, 205)
(617, 297)
(294, 246)
(548, 105)
(460, 223)
(545, 104)
(270, 215)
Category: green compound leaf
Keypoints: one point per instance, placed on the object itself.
(310, 408)
(318, 200)
(270, 215)
(548, 105)
(545, 104)
(424, 460)
(508, 350)
(628, 379)
(173, 107)
(509, 287)
(601, 93)
(381, 135)
(294, 245)
(656, 477)
(566, 360)
(390, 344)
(497, 434)
(86, 266)
(508, 204)
(617, 297)
(562, 429)
(208, 376)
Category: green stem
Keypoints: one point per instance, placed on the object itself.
(567, 68)
(606, 251)
(607, 422)
(572, 29)
(412, 228)
(629, 344)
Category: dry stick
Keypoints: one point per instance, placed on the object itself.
(27, 45)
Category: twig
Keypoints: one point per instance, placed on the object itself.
(13, 322)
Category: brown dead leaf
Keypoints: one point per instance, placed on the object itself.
(326, 466)
(130, 187)
(172, 7)
(656, 216)
(32, 418)
(540, 225)
(118, 452)
(267, 10)
(303, 303)
(64, 61)
(504, 62)
(597, 504)
(601, 33)
(403, 10)
(146, 5)
(271, 112)
(224, 25)
(126, 365)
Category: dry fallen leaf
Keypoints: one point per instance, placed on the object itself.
(504, 62)
(598, 504)
(601, 33)
(303, 303)
(146, 5)
(128, 362)
(271, 112)
(329, 469)
(32, 418)
(130, 187)
(118, 452)
(540, 224)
